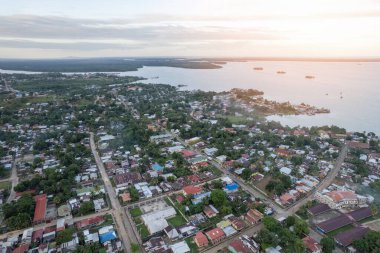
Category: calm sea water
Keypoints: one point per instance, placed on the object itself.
(350, 90)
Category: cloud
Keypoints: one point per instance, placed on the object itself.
(69, 28)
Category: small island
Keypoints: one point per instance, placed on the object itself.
(253, 99)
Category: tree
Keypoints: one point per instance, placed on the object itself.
(134, 193)
(290, 221)
(267, 238)
(299, 246)
(64, 236)
(86, 208)
(271, 224)
(301, 228)
(328, 244)
(218, 197)
(369, 243)
(246, 174)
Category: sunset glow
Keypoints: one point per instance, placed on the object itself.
(296, 28)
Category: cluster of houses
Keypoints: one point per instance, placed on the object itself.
(163, 235)
(43, 240)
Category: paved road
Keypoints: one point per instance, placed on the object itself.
(324, 184)
(122, 221)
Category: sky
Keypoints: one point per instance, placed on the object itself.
(193, 28)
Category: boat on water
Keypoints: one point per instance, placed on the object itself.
(258, 68)
(281, 72)
(309, 77)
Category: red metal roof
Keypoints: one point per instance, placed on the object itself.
(312, 244)
(347, 237)
(188, 190)
(40, 210)
(22, 248)
(215, 233)
(334, 223)
(200, 239)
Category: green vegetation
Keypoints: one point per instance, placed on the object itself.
(65, 236)
(340, 230)
(143, 230)
(274, 233)
(101, 65)
(193, 247)
(135, 247)
(279, 184)
(135, 212)
(19, 214)
(85, 208)
(369, 243)
(89, 248)
(177, 221)
(328, 244)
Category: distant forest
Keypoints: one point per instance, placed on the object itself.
(103, 64)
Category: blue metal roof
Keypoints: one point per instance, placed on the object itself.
(157, 167)
(109, 236)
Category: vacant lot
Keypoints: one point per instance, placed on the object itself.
(159, 205)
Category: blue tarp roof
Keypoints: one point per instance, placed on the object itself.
(157, 167)
(232, 187)
(109, 236)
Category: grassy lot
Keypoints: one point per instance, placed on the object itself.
(135, 212)
(176, 221)
(143, 230)
(193, 247)
(5, 185)
(372, 218)
(340, 230)
(108, 220)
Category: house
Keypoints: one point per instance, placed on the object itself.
(237, 223)
(155, 244)
(312, 246)
(233, 187)
(126, 179)
(40, 209)
(198, 198)
(254, 216)
(210, 211)
(191, 190)
(171, 232)
(285, 171)
(287, 199)
(125, 197)
(210, 151)
(86, 223)
(157, 167)
(338, 199)
(215, 235)
(156, 221)
(200, 240)
(244, 244)
(180, 247)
